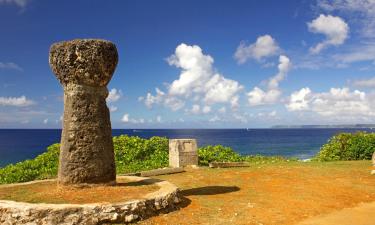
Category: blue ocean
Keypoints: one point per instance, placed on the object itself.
(20, 144)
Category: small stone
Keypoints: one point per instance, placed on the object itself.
(125, 208)
(130, 218)
(115, 216)
(109, 210)
(15, 215)
(176, 200)
(134, 206)
(157, 205)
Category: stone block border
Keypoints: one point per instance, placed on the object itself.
(228, 164)
(164, 199)
(157, 172)
(164, 171)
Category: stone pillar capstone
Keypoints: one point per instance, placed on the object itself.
(84, 67)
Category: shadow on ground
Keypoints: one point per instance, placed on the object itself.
(140, 183)
(209, 190)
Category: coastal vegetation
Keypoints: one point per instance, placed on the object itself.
(348, 146)
(134, 154)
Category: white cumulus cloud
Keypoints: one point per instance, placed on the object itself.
(334, 28)
(125, 118)
(172, 102)
(150, 99)
(206, 109)
(214, 119)
(197, 80)
(359, 12)
(264, 46)
(340, 103)
(272, 93)
(16, 101)
(195, 109)
(299, 100)
(114, 95)
(113, 108)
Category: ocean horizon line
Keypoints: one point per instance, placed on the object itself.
(244, 128)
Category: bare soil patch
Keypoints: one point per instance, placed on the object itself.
(363, 214)
(50, 192)
(280, 193)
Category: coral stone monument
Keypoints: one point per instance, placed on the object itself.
(183, 152)
(84, 67)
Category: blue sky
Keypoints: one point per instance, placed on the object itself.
(198, 64)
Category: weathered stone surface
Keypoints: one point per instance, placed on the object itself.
(84, 68)
(228, 164)
(183, 152)
(158, 172)
(165, 198)
(84, 61)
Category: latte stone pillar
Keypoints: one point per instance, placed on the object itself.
(84, 67)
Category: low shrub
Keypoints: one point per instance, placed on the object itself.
(43, 166)
(134, 154)
(217, 153)
(260, 159)
(348, 146)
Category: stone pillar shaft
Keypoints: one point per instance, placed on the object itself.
(86, 142)
(84, 67)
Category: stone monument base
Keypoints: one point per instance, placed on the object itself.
(183, 152)
(163, 196)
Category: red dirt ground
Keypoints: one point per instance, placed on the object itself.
(282, 193)
(49, 192)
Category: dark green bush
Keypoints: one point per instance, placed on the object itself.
(348, 146)
(217, 153)
(135, 154)
(259, 159)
